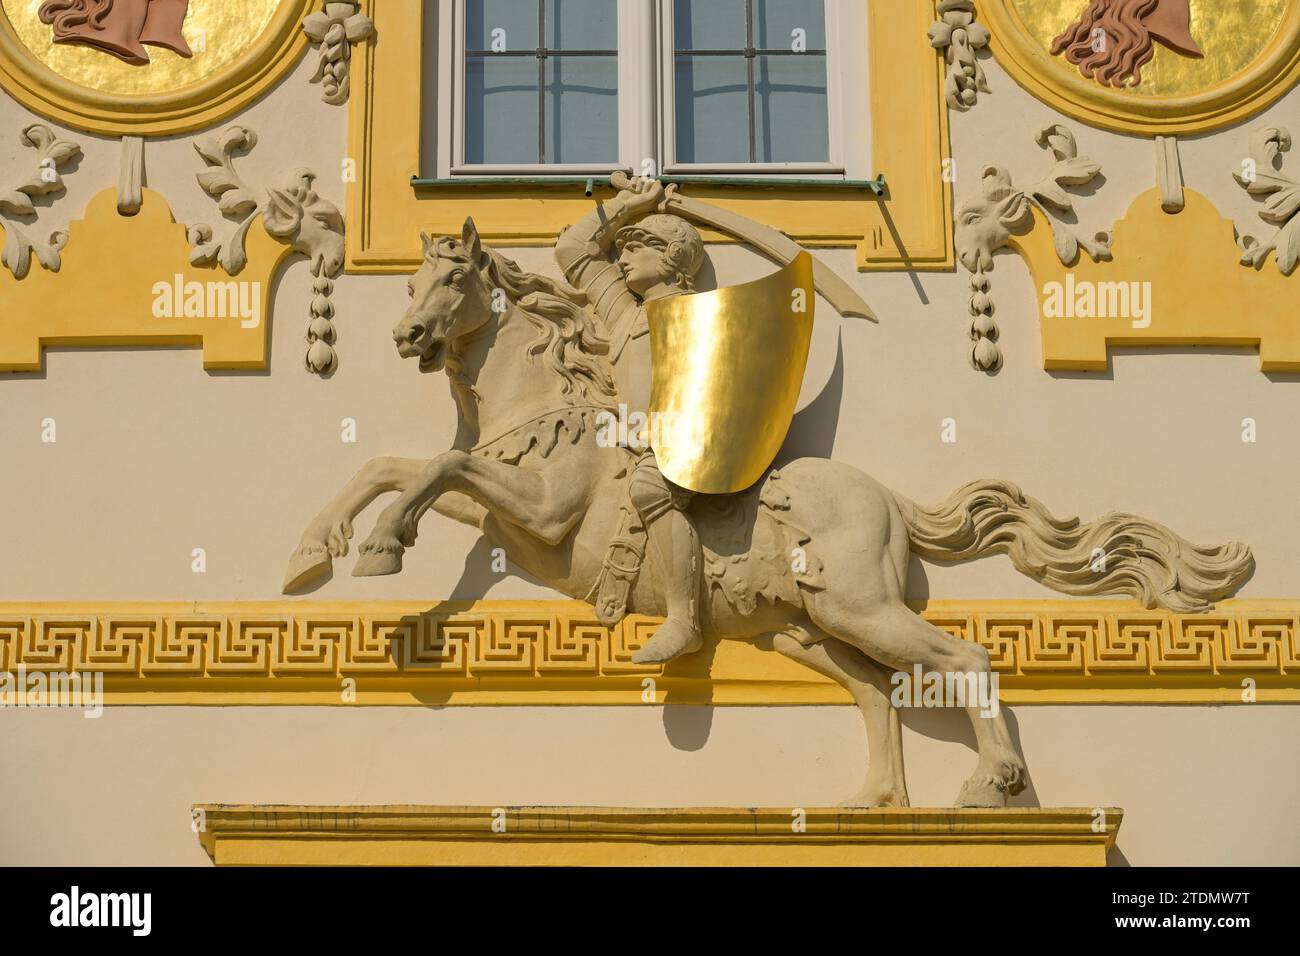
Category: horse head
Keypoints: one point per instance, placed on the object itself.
(451, 296)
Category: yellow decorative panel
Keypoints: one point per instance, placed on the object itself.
(501, 652)
(105, 292)
(1187, 267)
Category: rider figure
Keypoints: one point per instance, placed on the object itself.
(658, 256)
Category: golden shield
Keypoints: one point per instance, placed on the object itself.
(726, 371)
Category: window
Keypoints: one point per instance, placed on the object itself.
(749, 81)
(541, 82)
(885, 107)
(539, 87)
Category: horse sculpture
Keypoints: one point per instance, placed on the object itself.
(531, 381)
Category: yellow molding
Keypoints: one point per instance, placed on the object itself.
(1200, 293)
(911, 229)
(191, 107)
(556, 652)
(104, 292)
(1061, 86)
(617, 836)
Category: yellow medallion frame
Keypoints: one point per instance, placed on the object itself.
(909, 228)
(1258, 86)
(193, 107)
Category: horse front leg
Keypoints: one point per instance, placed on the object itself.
(327, 535)
(546, 505)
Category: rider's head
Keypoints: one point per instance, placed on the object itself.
(659, 251)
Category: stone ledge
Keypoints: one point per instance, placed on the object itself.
(615, 836)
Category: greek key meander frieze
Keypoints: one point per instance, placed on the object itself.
(501, 652)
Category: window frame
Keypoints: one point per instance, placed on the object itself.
(896, 124)
(630, 82)
(832, 168)
(646, 103)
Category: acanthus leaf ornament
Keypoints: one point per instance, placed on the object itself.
(335, 28)
(959, 37)
(1281, 198)
(293, 214)
(44, 180)
(987, 222)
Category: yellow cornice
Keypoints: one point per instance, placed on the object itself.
(1272, 73)
(199, 105)
(556, 652)
(577, 836)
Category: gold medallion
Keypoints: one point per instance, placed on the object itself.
(1159, 67)
(146, 67)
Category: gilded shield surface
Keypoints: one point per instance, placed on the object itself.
(727, 367)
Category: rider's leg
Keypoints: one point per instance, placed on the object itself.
(676, 544)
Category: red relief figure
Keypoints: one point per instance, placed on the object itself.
(1114, 39)
(119, 27)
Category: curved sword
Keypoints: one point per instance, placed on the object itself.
(772, 243)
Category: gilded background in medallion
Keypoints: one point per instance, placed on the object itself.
(218, 31)
(1233, 33)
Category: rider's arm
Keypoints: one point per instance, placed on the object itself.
(588, 241)
(582, 251)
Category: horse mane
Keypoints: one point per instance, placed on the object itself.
(570, 343)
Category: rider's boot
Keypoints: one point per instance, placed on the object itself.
(678, 546)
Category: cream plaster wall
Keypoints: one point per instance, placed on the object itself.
(155, 457)
(1198, 785)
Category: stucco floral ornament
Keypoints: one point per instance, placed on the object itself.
(959, 36)
(987, 222)
(336, 28)
(1261, 177)
(294, 214)
(44, 180)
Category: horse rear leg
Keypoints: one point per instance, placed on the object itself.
(893, 634)
(868, 683)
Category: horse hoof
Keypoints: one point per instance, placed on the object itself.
(876, 798)
(986, 793)
(376, 563)
(305, 569)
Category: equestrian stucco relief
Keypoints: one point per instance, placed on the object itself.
(812, 557)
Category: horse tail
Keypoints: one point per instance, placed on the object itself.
(1118, 554)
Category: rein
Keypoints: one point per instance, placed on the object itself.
(501, 436)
